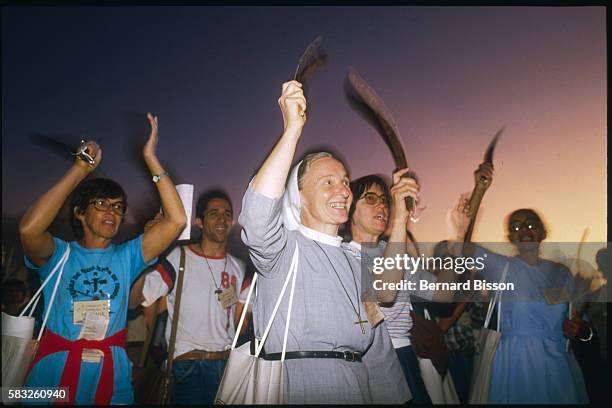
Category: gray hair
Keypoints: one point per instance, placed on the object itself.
(307, 162)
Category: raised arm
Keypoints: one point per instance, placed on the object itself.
(402, 187)
(161, 235)
(36, 240)
(483, 177)
(271, 177)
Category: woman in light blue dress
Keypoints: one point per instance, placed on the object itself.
(532, 364)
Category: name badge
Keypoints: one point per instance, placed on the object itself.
(93, 307)
(93, 328)
(228, 297)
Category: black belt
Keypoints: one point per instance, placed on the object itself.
(351, 356)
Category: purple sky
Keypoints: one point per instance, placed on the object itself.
(452, 76)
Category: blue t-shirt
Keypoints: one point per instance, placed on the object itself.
(89, 274)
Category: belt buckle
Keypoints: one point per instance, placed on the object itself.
(347, 354)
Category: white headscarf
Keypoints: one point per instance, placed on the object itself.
(291, 201)
(291, 212)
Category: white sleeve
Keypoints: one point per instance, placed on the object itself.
(154, 288)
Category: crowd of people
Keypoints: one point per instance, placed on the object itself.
(346, 343)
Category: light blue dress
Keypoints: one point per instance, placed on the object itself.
(531, 365)
(90, 274)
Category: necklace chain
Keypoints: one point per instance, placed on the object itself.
(358, 308)
(211, 272)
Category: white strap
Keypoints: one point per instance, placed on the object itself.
(499, 306)
(38, 293)
(292, 270)
(63, 261)
(496, 299)
(569, 317)
(490, 309)
(259, 344)
(290, 307)
(426, 313)
(244, 311)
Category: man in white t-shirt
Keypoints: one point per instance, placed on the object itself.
(211, 302)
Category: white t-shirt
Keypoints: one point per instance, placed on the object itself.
(203, 324)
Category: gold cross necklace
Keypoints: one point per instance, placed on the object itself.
(358, 308)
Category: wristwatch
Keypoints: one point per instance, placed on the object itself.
(158, 177)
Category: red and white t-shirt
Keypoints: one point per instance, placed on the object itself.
(203, 323)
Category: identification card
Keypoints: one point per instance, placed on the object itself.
(94, 307)
(93, 328)
(374, 313)
(228, 297)
(91, 355)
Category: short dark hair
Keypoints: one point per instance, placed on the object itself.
(90, 190)
(358, 188)
(206, 197)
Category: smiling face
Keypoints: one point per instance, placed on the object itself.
(525, 229)
(216, 220)
(371, 214)
(325, 196)
(98, 223)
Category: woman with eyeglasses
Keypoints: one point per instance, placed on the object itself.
(83, 346)
(373, 211)
(532, 364)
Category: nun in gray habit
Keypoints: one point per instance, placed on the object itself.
(328, 314)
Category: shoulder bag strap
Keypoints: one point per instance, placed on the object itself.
(569, 317)
(292, 272)
(496, 299)
(60, 265)
(38, 294)
(63, 262)
(147, 345)
(177, 308)
(244, 311)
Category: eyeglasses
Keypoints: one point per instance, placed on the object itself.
(102, 204)
(517, 226)
(373, 199)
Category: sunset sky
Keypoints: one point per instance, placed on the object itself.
(452, 76)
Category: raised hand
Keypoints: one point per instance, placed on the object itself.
(483, 176)
(402, 187)
(293, 105)
(457, 217)
(93, 150)
(150, 148)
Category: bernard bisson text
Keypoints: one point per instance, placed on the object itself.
(477, 284)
